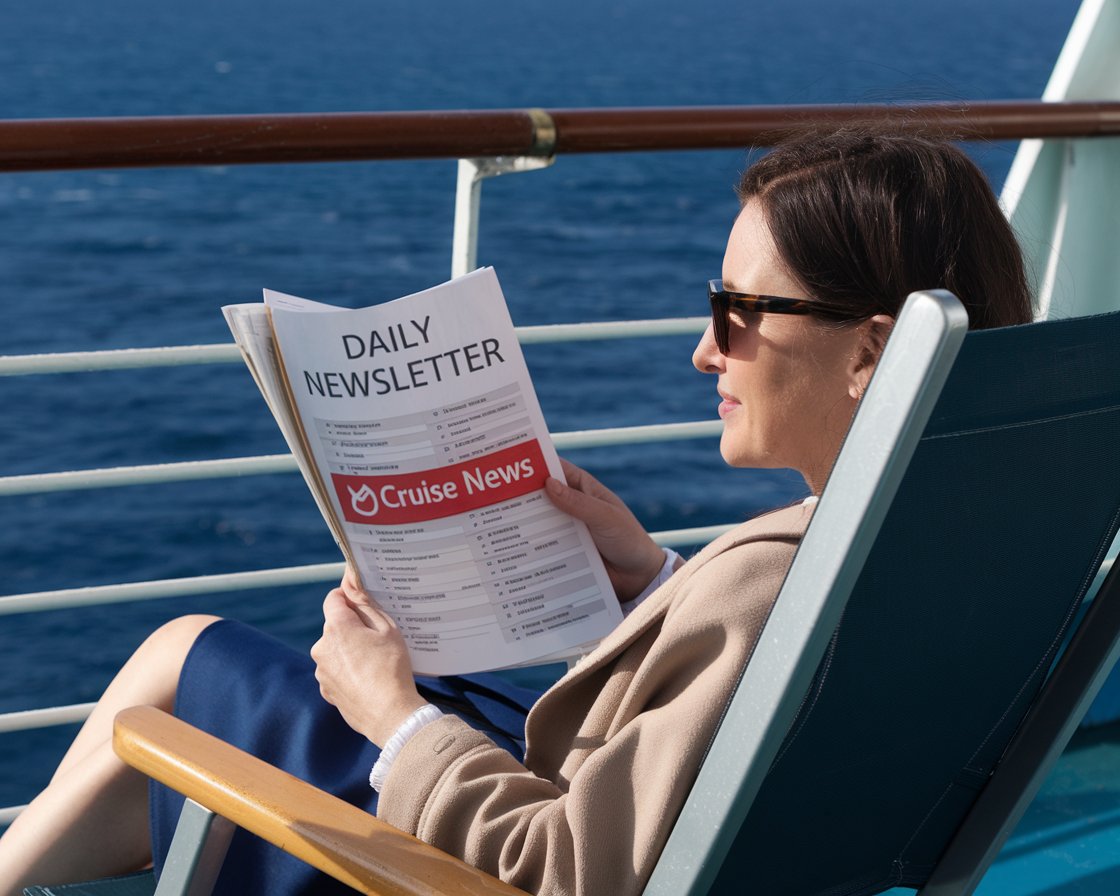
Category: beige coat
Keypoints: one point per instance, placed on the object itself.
(614, 746)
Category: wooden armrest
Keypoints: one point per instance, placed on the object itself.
(322, 830)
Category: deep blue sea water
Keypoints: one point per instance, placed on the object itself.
(111, 259)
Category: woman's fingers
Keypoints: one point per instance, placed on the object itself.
(335, 605)
(604, 514)
(350, 580)
(588, 500)
(343, 608)
(573, 501)
(582, 481)
(360, 600)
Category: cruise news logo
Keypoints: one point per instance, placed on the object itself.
(444, 491)
(363, 501)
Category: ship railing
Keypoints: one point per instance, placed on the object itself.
(486, 144)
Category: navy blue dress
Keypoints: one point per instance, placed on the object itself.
(260, 695)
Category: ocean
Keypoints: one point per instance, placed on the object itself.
(114, 259)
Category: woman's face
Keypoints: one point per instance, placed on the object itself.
(789, 383)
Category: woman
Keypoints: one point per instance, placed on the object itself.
(834, 232)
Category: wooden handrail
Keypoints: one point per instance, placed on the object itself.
(52, 144)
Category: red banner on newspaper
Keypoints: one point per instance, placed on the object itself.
(444, 491)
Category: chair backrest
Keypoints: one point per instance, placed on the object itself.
(997, 528)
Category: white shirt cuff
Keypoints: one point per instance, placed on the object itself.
(667, 570)
(393, 746)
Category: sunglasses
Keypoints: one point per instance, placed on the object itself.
(723, 301)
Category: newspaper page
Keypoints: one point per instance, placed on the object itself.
(432, 447)
(252, 330)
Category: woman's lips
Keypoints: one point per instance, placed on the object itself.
(727, 405)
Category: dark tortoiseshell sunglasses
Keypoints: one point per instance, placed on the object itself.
(723, 301)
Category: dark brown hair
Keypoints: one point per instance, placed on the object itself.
(864, 219)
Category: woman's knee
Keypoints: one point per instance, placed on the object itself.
(151, 676)
(168, 645)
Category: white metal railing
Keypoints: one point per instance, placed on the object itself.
(472, 172)
(148, 474)
(45, 718)
(180, 355)
(96, 595)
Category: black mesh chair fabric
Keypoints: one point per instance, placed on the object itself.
(1001, 521)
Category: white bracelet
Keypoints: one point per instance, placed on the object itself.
(409, 727)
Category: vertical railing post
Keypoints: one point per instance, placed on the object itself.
(468, 188)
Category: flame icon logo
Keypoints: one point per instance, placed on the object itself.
(363, 495)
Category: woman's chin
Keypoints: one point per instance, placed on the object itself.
(734, 454)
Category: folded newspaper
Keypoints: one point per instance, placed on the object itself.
(419, 433)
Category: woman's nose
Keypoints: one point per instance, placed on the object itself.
(707, 357)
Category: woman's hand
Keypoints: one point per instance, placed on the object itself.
(362, 664)
(632, 558)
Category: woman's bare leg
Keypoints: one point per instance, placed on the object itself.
(92, 819)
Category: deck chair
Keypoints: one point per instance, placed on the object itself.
(961, 529)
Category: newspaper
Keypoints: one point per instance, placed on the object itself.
(419, 433)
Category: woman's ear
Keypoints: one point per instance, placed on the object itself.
(872, 340)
